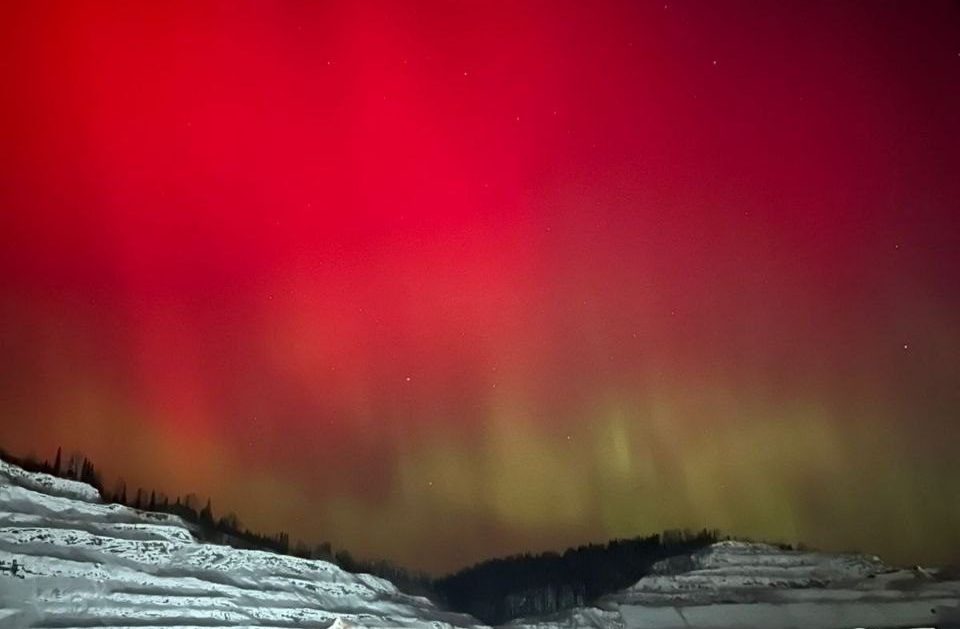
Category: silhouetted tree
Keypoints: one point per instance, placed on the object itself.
(323, 551)
(501, 589)
(89, 475)
(120, 492)
(229, 523)
(302, 550)
(344, 559)
(206, 514)
(74, 465)
(494, 591)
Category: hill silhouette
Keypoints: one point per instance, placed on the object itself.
(494, 591)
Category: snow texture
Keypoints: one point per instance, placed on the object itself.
(82, 563)
(748, 585)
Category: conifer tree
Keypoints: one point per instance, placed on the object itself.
(120, 493)
(206, 514)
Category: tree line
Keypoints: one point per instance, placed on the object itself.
(493, 591)
(200, 516)
(498, 590)
(225, 529)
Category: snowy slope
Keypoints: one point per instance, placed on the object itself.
(747, 585)
(83, 563)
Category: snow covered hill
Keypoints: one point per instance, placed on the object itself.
(81, 563)
(749, 585)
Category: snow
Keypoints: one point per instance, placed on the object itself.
(82, 563)
(748, 585)
(47, 484)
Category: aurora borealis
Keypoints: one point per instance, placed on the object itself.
(442, 281)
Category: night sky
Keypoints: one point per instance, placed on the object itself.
(441, 281)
